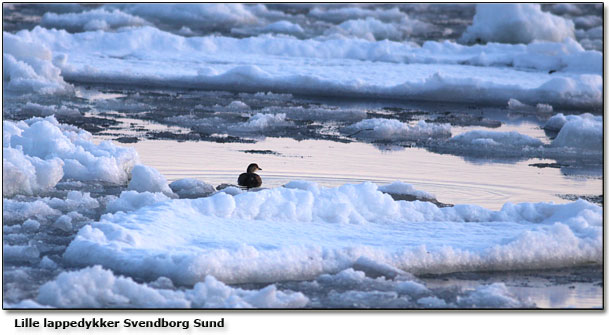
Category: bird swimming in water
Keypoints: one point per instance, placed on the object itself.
(250, 179)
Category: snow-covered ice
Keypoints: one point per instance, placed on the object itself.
(131, 200)
(191, 188)
(148, 179)
(28, 66)
(95, 287)
(304, 230)
(517, 23)
(433, 71)
(39, 152)
(577, 131)
(579, 137)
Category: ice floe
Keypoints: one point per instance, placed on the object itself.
(39, 152)
(262, 122)
(96, 19)
(372, 29)
(433, 71)
(201, 17)
(303, 230)
(485, 141)
(191, 188)
(580, 132)
(355, 289)
(515, 105)
(95, 287)
(47, 208)
(394, 130)
(26, 174)
(129, 201)
(516, 23)
(148, 179)
(28, 66)
(579, 137)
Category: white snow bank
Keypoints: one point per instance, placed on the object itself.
(39, 152)
(583, 132)
(96, 19)
(399, 187)
(28, 66)
(95, 287)
(191, 188)
(302, 230)
(148, 179)
(394, 130)
(516, 23)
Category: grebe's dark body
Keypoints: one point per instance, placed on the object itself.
(250, 179)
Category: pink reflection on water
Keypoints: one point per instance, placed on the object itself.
(450, 178)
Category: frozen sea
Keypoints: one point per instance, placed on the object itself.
(418, 156)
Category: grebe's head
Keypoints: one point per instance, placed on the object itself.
(253, 168)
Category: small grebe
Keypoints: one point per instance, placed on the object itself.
(250, 179)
